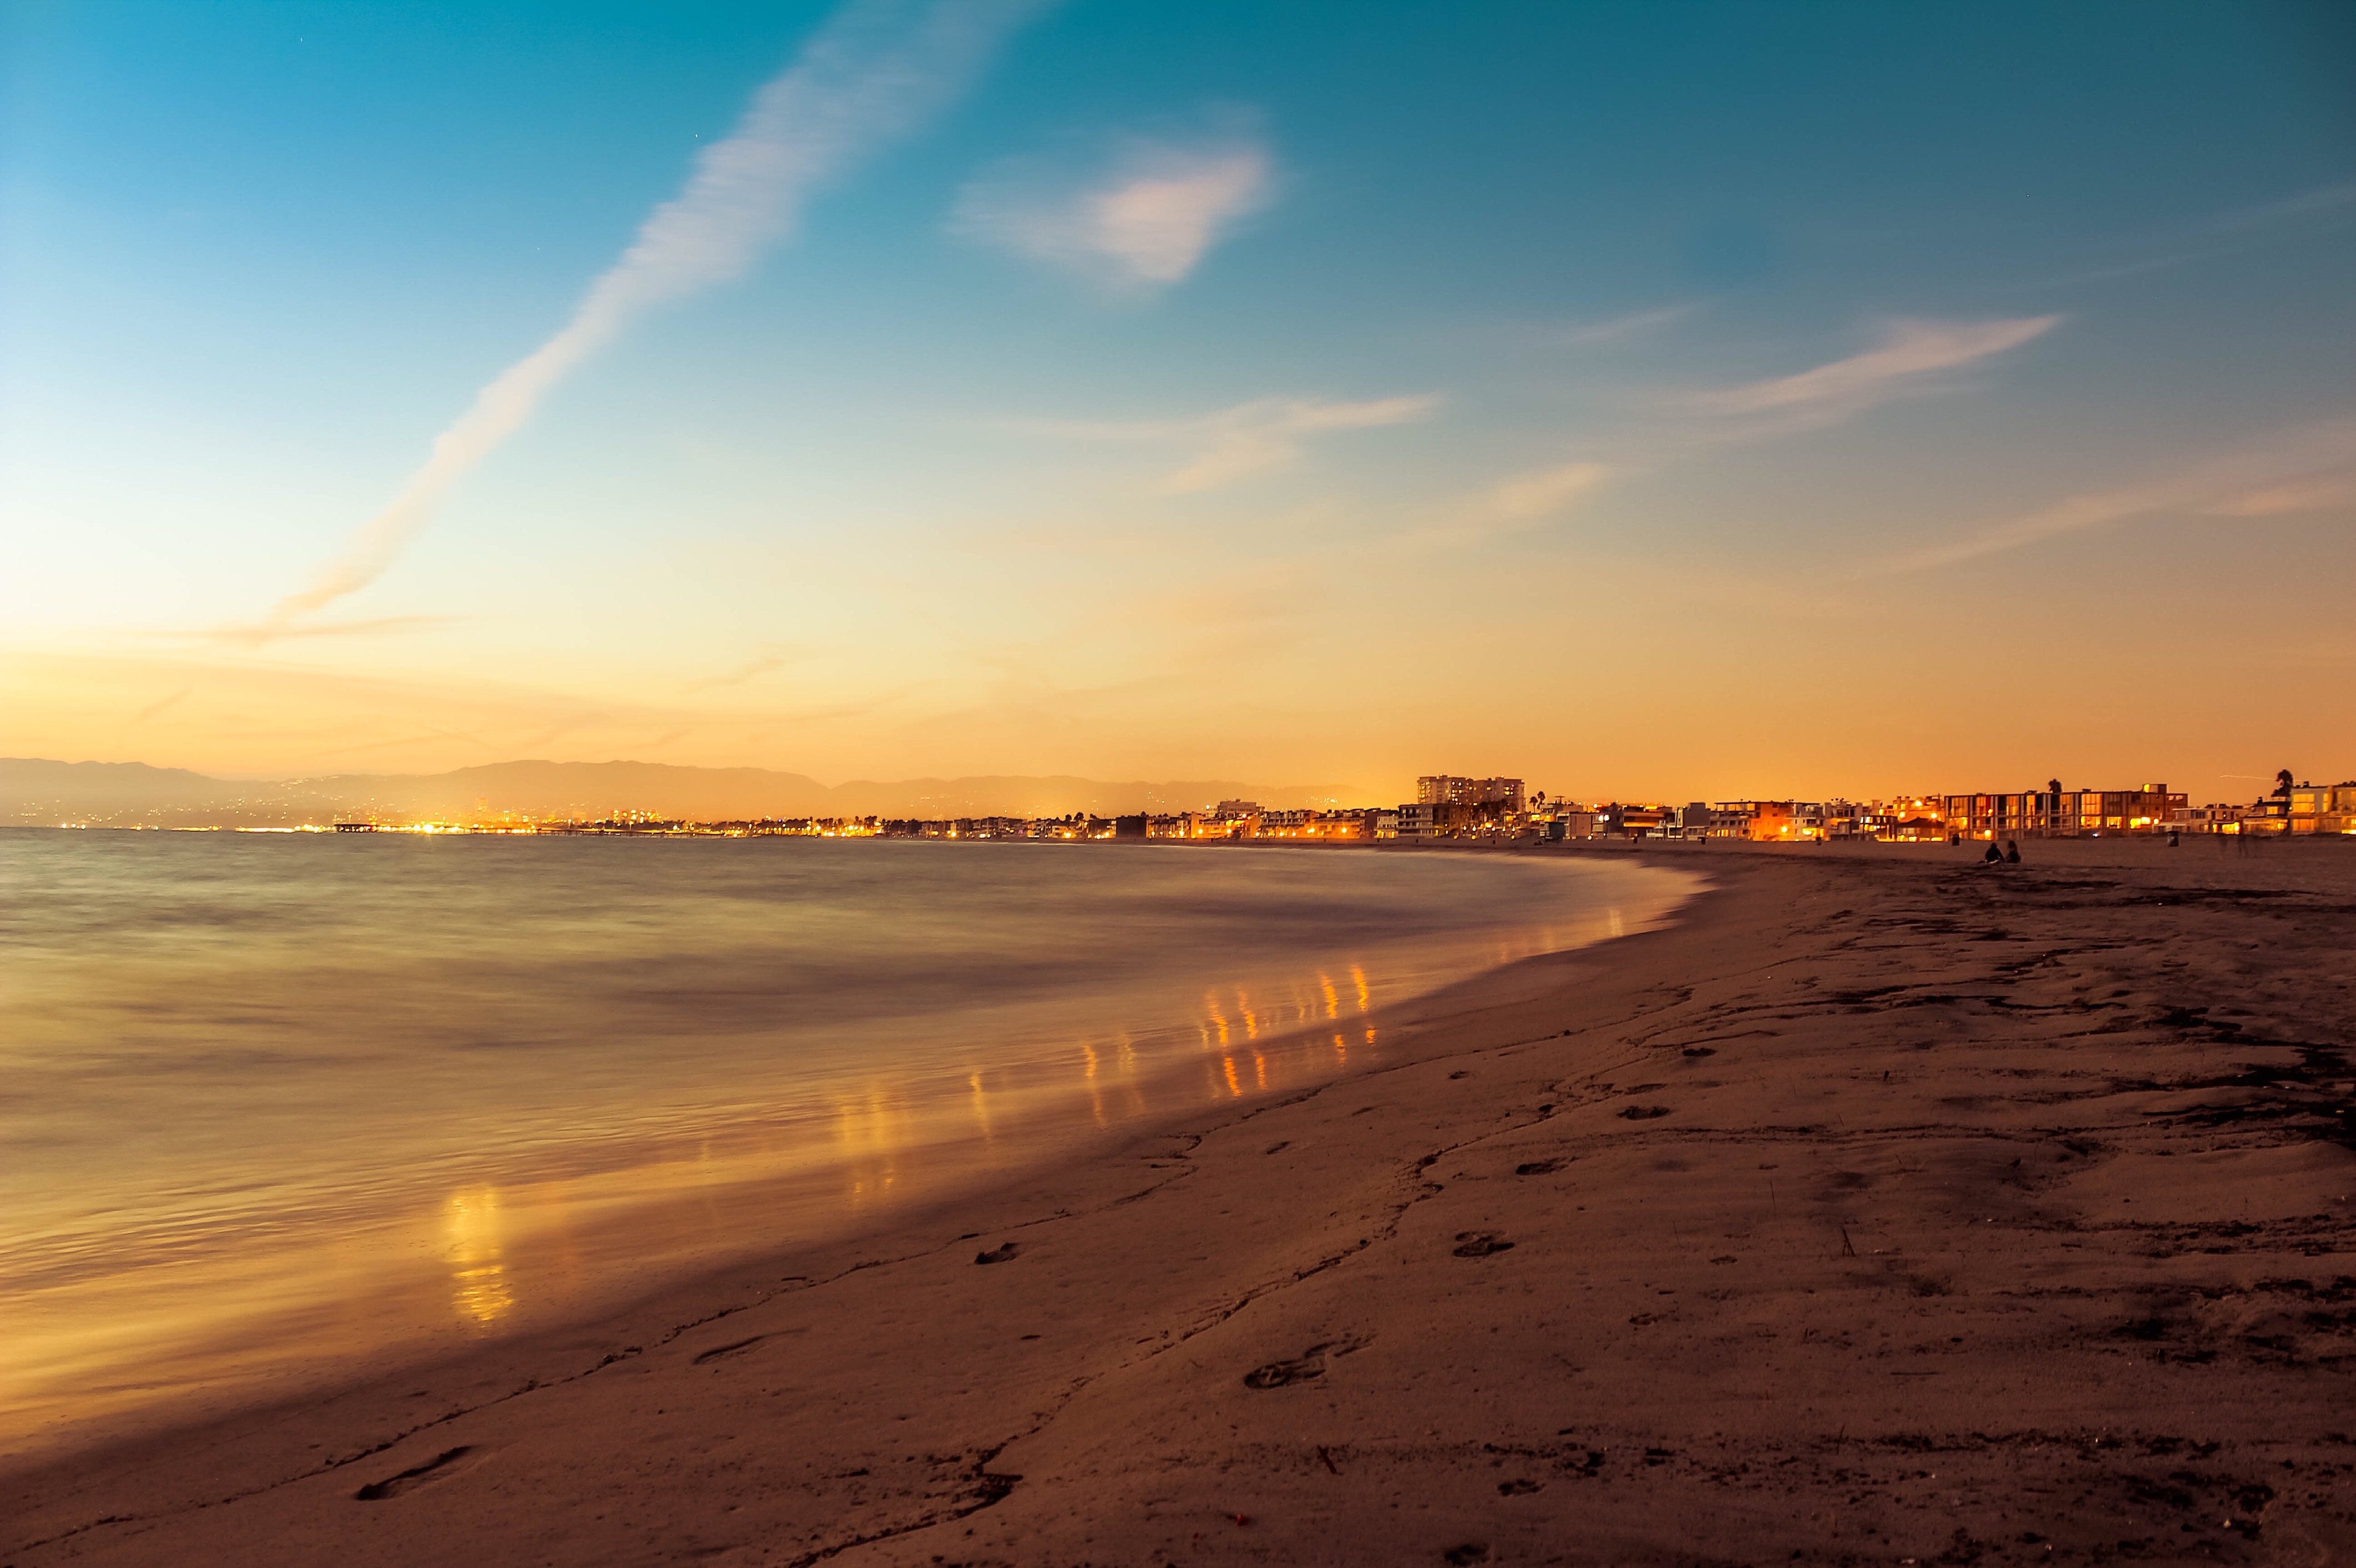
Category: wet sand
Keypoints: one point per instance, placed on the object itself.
(1885, 1208)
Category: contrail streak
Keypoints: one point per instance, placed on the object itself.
(877, 71)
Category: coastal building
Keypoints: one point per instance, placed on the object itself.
(2055, 812)
(1767, 821)
(1423, 820)
(2064, 813)
(1634, 821)
(1449, 789)
(1907, 819)
(1332, 827)
(2320, 808)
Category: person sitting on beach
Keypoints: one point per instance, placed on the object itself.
(1993, 857)
(2012, 851)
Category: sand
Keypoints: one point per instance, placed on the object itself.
(1883, 1208)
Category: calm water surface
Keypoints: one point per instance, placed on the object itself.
(269, 1101)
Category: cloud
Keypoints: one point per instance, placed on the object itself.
(1241, 441)
(1510, 506)
(2318, 492)
(2222, 234)
(1255, 437)
(2320, 201)
(1618, 329)
(1146, 223)
(1909, 353)
(752, 669)
(165, 705)
(255, 636)
(875, 71)
(1528, 497)
(2311, 469)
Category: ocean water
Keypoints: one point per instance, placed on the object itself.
(270, 1102)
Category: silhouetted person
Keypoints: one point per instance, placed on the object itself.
(2171, 838)
(1994, 856)
(2011, 852)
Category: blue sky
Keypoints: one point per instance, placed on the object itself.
(1700, 399)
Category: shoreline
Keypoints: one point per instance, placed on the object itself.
(1349, 1315)
(585, 1239)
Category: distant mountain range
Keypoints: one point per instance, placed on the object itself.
(35, 791)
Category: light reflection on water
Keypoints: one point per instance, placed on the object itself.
(479, 1282)
(275, 1100)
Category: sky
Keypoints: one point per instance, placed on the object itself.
(1684, 402)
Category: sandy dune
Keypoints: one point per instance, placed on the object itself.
(1886, 1208)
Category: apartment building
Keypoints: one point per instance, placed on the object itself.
(1449, 789)
(2058, 813)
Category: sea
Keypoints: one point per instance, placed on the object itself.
(273, 1106)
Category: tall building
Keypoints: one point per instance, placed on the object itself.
(1448, 789)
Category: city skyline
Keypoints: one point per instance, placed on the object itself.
(544, 796)
(1829, 402)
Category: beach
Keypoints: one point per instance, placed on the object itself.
(1883, 1207)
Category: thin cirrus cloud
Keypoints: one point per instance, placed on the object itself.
(875, 71)
(1240, 442)
(2308, 469)
(1912, 356)
(1144, 223)
(1527, 498)
(1510, 506)
(1619, 329)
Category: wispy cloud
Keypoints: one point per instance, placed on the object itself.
(157, 709)
(875, 71)
(1619, 329)
(2321, 202)
(1146, 221)
(2223, 234)
(1911, 355)
(1512, 504)
(2315, 492)
(1259, 437)
(752, 669)
(255, 636)
(1525, 498)
(1242, 441)
(2312, 468)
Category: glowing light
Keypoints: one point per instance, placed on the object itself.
(479, 1279)
(980, 1106)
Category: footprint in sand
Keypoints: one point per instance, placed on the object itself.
(718, 1350)
(416, 1476)
(998, 1254)
(1480, 1244)
(1306, 1367)
(1645, 1113)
